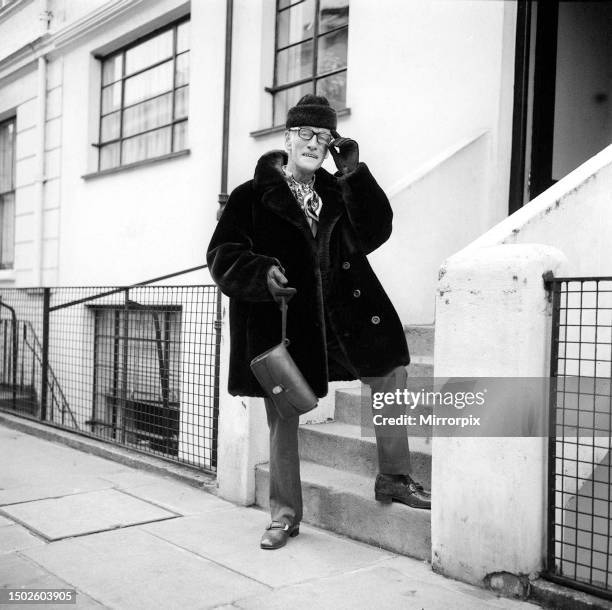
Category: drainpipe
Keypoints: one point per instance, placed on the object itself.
(223, 196)
(44, 16)
(40, 171)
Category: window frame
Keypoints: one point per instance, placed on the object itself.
(316, 36)
(4, 266)
(123, 50)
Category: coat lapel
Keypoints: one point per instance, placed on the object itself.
(277, 196)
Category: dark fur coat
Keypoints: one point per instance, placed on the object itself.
(263, 225)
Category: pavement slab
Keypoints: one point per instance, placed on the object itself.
(84, 513)
(372, 587)
(15, 538)
(131, 569)
(51, 487)
(177, 497)
(232, 538)
(17, 569)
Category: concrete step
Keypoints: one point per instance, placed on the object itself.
(339, 445)
(353, 406)
(420, 366)
(420, 338)
(343, 502)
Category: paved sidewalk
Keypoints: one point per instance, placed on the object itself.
(128, 539)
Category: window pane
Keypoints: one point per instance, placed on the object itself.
(294, 63)
(284, 100)
(149, 83)
(110, 127)
(180, 137)
(183, 35)
(181, 103)
(112, 68)
(332, 51)
(148, 145)
(295, 24)
(284, 3)
(7, 227)
(182, 69)
(334, 89)
(332, 14)
(111, 98)
(147, 115)
(109, 156)
(7, 156)
(149, 52)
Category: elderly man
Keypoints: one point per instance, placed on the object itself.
(298, 232)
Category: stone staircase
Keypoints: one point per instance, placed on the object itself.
(338, 467)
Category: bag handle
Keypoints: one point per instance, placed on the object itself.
(283, 307)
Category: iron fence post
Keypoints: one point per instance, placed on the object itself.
(44, 375)
(217, 368)
(124, 369)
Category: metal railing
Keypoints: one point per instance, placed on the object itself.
(134, 365)
(580, 442)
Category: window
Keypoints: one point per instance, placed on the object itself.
(144, 99)
(310, 54)
(143, 369)
(7, 193)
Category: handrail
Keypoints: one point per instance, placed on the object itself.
(122, 288)
(65, 405)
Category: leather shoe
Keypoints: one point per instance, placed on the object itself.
(277, 534)
(401, 488)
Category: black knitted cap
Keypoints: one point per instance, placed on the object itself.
(314, 111)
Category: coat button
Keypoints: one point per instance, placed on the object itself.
(346, 265)
(357, 293)
(375, 320)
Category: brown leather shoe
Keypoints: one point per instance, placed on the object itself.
(277, 534)
(401, 488)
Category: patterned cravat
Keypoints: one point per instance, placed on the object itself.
(307, 197)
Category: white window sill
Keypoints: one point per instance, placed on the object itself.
(7, 275)
(137, 164)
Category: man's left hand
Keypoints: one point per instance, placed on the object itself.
(346, 157)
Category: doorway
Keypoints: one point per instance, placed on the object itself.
(563, 91)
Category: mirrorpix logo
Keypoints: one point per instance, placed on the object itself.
(408, 399)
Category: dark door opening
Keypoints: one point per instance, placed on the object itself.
(563, 86)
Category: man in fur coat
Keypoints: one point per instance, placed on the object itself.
(299, 232)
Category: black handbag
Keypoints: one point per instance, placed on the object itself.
(281, 379)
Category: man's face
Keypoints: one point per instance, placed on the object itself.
(306, 156)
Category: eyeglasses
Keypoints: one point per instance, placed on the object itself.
(306, 134)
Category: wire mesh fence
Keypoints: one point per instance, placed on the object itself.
(580, 469)
(137, 366)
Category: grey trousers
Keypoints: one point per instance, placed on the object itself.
(285, 482)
